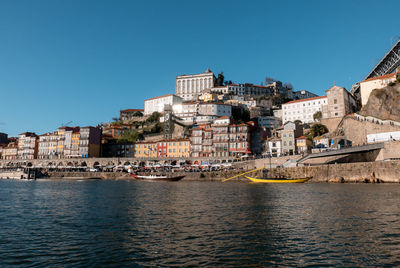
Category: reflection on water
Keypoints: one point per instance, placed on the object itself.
(58, 223)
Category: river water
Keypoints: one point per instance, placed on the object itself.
(128, 223)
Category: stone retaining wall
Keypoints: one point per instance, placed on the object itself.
(383, 171)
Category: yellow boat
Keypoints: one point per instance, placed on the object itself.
(300, 180)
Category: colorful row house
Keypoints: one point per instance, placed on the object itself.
(70, 142)
(162, 149)
(221, 139)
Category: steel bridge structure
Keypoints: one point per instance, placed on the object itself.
(388, 63)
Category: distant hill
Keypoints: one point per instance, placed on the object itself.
(384, 103)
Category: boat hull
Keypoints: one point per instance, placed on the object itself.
(155, 178)
(257, 180)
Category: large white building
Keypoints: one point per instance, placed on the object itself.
(189, 87)
(303, 110)
(157, 104)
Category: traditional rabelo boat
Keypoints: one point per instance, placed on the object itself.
(268, 180)
(157, 177)
(278, 180)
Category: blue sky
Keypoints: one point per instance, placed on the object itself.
(83, 61)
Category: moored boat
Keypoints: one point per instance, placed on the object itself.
(157, 177)
(278, 180)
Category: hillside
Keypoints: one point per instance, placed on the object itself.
(384, 103)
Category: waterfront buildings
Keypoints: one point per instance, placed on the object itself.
(178, 148)
(162, 149)
(146, 149)
(368, 85)
(70, 142)
(47, 146)
(274, 147)
(10, 152)
(89, 142)
(221, 139)
(27, 145)
(157, 104)
(303, 110)
(288, 135)
(189, 87)
(113, 148)
(321, 143)
(303, 145)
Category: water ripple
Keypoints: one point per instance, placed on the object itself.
(118, 223)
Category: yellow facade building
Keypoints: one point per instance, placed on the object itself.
(207, 97)
(178, 148)
(146, 149)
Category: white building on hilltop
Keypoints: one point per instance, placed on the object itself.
(304, 109)
(189, 87)
(157, 104)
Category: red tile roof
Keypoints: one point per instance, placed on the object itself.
(381, 77)
(132, 110)
(163, 96)
(309, 99)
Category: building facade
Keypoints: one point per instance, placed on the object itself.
(303, 145)
(368, 85)
(274, 147)
(27, 145)
(10, 152)
(270, 122)
(47, 145)
(89, 142)
(303, 110)
(189, 87)
(157, 104)
(146, 149)
(340, 102)
(288, 134)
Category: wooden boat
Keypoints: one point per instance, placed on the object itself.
(278, 180)
(157, 177)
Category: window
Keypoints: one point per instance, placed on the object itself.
(335, 101)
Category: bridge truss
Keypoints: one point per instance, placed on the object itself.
(388, 63)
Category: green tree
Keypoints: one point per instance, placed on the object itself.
(317, 116)
(153, 117)
(239, 114)
(130, 136)
(318, 130)
(220, 79)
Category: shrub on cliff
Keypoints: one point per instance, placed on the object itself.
(318, 130)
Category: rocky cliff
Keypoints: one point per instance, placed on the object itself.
(384, 103)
